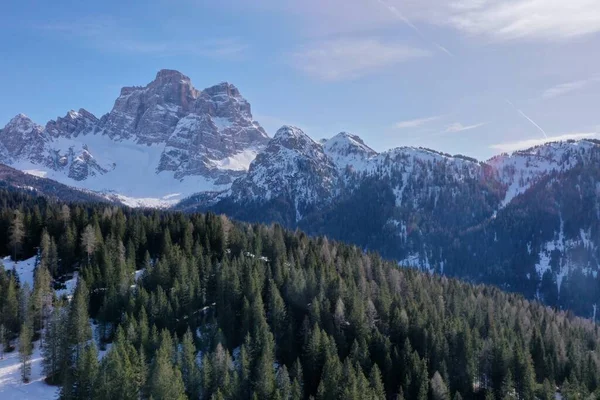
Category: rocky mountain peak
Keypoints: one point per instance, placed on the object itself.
(20, 136)
(347, 149)
(293, 138)
(166, 131)
(22, 123)
(72, 124)
(170, 75)
(223, 88)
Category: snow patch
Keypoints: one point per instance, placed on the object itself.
(11, 386)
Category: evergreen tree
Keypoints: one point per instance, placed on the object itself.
(25, 351)
(3, 335)
(165, 379)
(41, 296)
(376, 381)
(17, 233)
(88, 241)
(54, 344)
(10, 308)
(78, 324)
(439, 390)
(189, 369)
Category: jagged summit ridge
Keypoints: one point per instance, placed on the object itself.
(165, 128)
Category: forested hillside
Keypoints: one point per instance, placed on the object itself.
(174, 306)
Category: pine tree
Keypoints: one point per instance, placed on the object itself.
(41, 296)
(88, 241)
(284, 385)
(17, 232)
(78, 323)
(81, 384)
(25, 351)
(189, 369)
(524, 375)
(165, 379)
(10, 310)
(548, 391)
(54, 344)
(439, 390)
(376, 382)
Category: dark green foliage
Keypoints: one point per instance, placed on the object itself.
(237, 311)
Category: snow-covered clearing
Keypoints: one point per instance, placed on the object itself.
(24, 269)
(13, 388)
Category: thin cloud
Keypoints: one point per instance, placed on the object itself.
(415, 123)
(492, 20)
(525, 19)
(106, 35)
(408, 22)
(527, 118)
(343, 59)
(568, 87)
(525, 144)
(458, 127)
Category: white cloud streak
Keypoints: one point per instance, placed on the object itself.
(525, 144)
(495, 20)
(568, 87)
(523, 19)
(408, 22)
(527, 118)
(415, 123)
(351, 58)
(458, 127)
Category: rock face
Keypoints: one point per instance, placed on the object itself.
(21, 137)
(292, 168)
(166, 128)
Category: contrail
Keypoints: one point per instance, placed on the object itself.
(527, 118)
(404, 19)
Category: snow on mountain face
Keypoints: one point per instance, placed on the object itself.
(163, 139)
(22, 137)
(347, 150)
(521, 169)
(292, 166)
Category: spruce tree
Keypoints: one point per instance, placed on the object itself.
(55, 359)
(25, 351)
(165, 379)
(79, 329)
(189, 369)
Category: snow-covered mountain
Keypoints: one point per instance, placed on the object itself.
(528, 221)
(160, 142)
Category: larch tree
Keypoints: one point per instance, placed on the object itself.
(88, 241)
(17, 233)
(25, 351)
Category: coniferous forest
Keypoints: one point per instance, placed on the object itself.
(174, 306)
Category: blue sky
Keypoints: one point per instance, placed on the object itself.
(475, 77)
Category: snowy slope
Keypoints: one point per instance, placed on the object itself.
(520, 170)
(11, 386)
